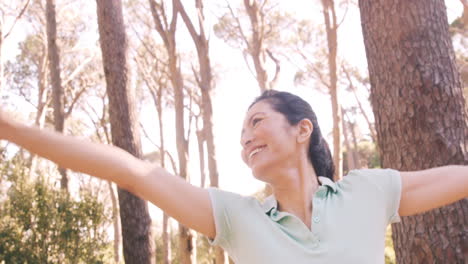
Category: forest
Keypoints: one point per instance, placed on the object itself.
(169, 81)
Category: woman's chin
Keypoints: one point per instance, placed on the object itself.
(260, 172)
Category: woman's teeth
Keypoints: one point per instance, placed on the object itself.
(255, 151)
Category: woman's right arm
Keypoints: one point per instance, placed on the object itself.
(186, 203)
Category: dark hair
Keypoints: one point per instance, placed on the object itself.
(296, 109)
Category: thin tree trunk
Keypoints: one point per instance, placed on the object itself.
(167, 32)
(186, 243)
(115, 205)
(201, 154)
(135, 219)
(166, 240)
(361, 108)
(205, 82)
(42, 104)
(420, 114)
(157, 96)
(349, 156)
(464, 17)
(256, 48)
(116, 223)
(331, 27)
(54, 69)
(357, 164)
(2, 71)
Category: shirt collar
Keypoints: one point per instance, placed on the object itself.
(270, 202)
(324, 181)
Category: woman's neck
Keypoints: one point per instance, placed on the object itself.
(294, 190)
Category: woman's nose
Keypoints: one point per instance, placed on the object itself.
(246, 139)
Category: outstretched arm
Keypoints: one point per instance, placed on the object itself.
(429, 189)
(186, 203)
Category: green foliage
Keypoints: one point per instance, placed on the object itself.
(368, 155)
(39, 224)
(389, 251)
(205, 252)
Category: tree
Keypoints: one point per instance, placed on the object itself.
(167, 28)
(314, 47)
(331, 29)
(4, 34)
(100, 119)
(54, 70)
(135, 219)
(256, 40)
(153, 75)
(204, 78)
(417, 99)
(28, 74)
(39, 224)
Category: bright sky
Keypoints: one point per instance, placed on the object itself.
(236, 88)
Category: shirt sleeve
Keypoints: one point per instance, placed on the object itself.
(387, 182)
(227, 208)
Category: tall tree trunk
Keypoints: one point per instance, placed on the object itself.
(256, 47)
(135, 219)
(167, 32)
(205, 82)
(54, 69)
(419, 109)
(331, 27)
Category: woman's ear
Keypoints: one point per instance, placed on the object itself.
(305, 130)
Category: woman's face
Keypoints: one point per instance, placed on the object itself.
(268, 140)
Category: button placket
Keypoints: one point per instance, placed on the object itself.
(318, 204)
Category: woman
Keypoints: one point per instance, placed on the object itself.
(309, 218)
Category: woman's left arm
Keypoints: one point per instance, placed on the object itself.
(432, 188)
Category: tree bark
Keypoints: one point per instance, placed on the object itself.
(135, 219)
(331, 27)
(419, 109)
(54, 69)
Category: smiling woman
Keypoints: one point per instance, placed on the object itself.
(308, 218)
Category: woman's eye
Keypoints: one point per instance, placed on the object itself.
(255, 121)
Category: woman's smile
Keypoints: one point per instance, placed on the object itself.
(255, 151)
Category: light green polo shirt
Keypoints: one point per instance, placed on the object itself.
(349, 220)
